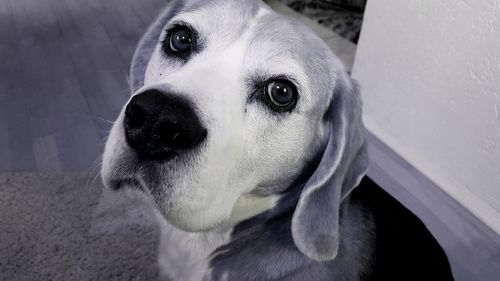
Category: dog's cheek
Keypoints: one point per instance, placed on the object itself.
(284, 149)
(114, 149)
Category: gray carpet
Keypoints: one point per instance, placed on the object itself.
(58, 227)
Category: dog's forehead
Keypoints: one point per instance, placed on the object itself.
(277, 39)
(244, 7)
(270, 42)
(228, 16)
(269, 36)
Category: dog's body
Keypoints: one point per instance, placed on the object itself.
(262, 248)
(384, 242)
(246, 132)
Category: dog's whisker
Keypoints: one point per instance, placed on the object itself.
(95, 163)
(105, 120)
(93, 172)
(93, 182)
(106, 136)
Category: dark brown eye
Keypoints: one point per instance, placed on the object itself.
(181, 40)
(281, 93)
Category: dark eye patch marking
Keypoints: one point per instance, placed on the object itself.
(180, 42)
(279, 93)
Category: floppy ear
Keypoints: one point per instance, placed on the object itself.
(315, 222)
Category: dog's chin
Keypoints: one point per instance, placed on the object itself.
(191, 221)
(176, 203)
(179, 213)
(172, 187)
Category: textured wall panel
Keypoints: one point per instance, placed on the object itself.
(430, 72)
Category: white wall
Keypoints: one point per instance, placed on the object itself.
(430, 74)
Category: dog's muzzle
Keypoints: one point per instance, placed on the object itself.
(160, 125)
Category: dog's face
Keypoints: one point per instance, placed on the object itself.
(230, 104)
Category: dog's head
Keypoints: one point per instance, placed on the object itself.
(230, 103)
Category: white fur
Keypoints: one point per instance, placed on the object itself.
(186, 255)
(241, 153)
(247, 150)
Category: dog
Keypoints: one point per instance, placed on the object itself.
(245, 131)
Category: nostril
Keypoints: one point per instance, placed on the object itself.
(135, 116)
(202, 134)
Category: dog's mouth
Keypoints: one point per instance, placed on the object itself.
(117, 184)
(124, 167)
(159, 156)
(132, 172)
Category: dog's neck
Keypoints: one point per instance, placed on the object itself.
(186, 255)
(249, 205)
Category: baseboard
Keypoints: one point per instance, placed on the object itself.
(472, 247)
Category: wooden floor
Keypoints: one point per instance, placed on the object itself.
(63, 75)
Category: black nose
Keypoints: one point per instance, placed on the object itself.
(158, 125)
